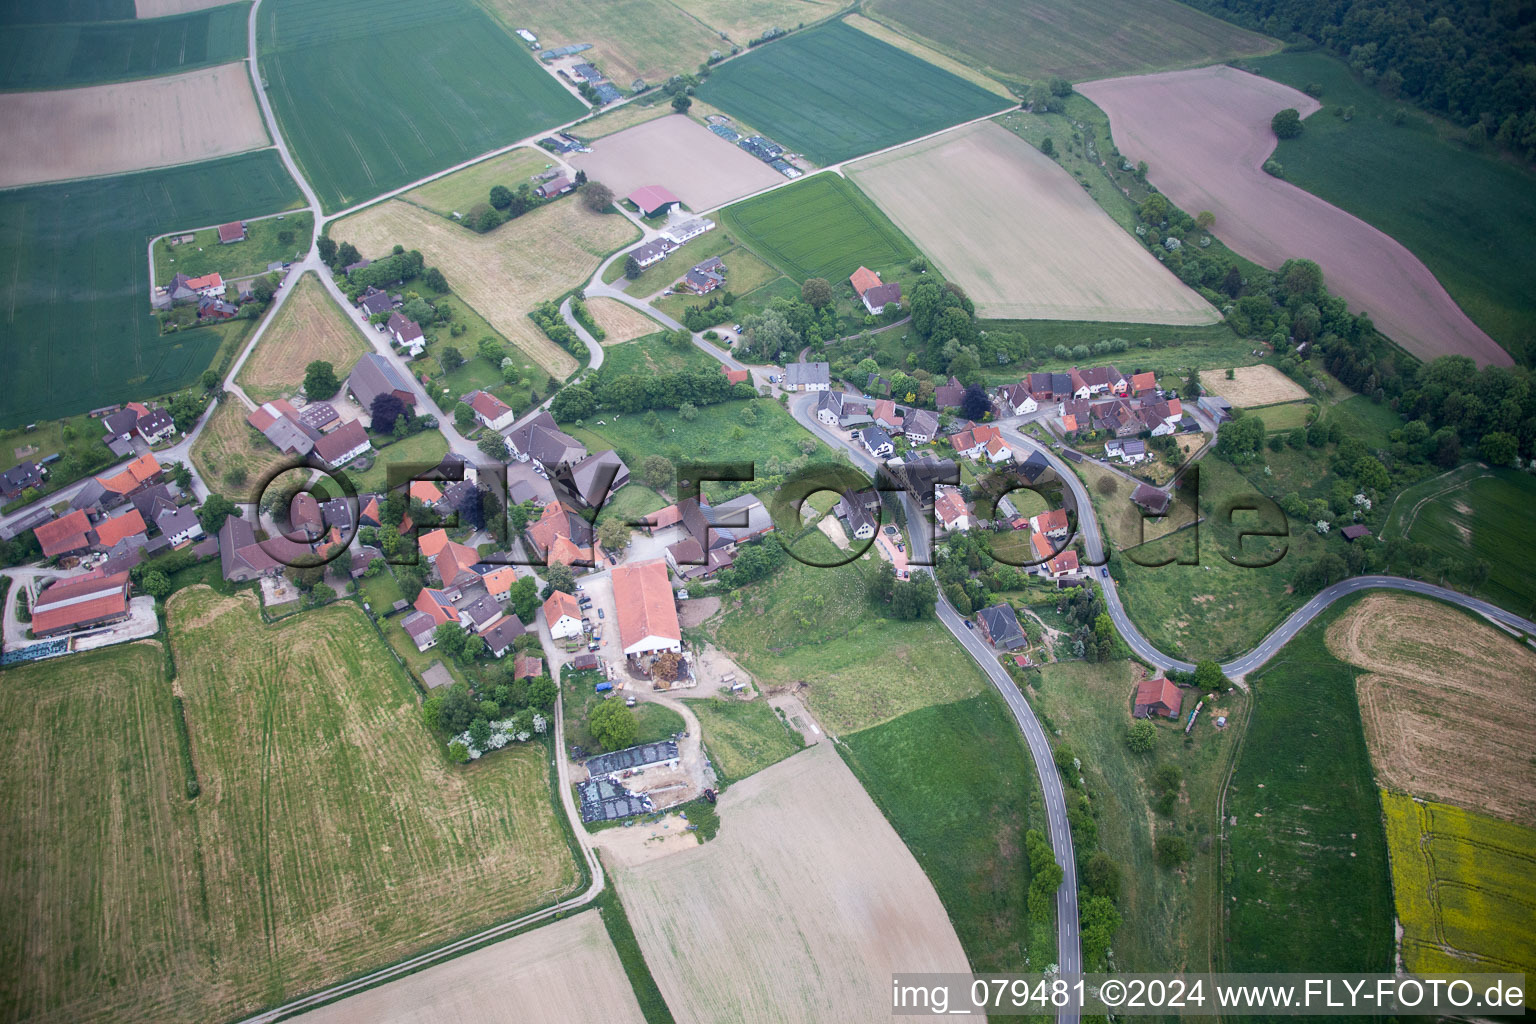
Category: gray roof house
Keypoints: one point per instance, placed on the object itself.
(807, 377)
(375, 375)
(1000, 626)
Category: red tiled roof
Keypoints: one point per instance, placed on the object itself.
(950, 506)
(206, 281)
(425, 491)
(132, 475)
(565, 552)
(488, 405)
(643, 603)
(1069, 423)
(1041, 545)
(1047, 522)
(736, 376)
(1064, 562)
(80, 601)
(864, 279)
(432, 603)
(499, 581)
(232, 231)
(1160, 694)
(65, 534)
(1144, 381)
(110, 531)
(432, 543)
(560, 603)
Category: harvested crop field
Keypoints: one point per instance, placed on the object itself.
(699, 167)
(630, 38)
(109, 129)
(992, 211)
(330, 836)
(622, 322)
(1254, 385)
(164, 8)
(1205, 135)
(1447, 702)
(228, 448)
(799, 910)
(1464, 885)
(506, 273)
(565, 971)
(744, 20)
(310, 326)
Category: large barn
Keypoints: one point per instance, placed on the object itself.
(645, 609)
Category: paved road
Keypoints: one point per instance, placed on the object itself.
(1068, 944)
(594, 347)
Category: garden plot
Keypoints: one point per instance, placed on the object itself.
(800, 909)
(1206, 135)
(699, 167)
(109, 129)
(1020, 235)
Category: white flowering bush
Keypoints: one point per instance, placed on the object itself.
(1322, 526)
(1364, 502)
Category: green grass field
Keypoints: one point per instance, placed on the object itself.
(816, 625)
(331, 836)
(86, 240)
(821, 227)
(743, 736)
(1075, 39)
(1171, 917)
(1474, 512)
(1460, 211)
(833, 92)
(1286, 416)
(957, 784)
(463, 189)
(1463, 882)
(264, 244)
(717, 433)
(427, 446)
(57, 55)
(372, 94)
(1304, 874)
(652, 355)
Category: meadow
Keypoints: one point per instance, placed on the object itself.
(1076, 40)
(310, 326)
(1171, 917)
(1474, 512)
(267, 884)
(284, 238)
(1459, 210)
(230, 455)
(821, 227)
(1304, 868)
(457, 192)
(58, 55)
(454, 82)
(102, 346)
(429, 446)
(744, 20)
(743, 736)
(815, 626)
(652, 355)
(956, 782)
(620, 322)
(833, 92)
(1464, 888)
(630, 39)
(44, 12)
(717, 433)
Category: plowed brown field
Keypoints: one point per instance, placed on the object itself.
(1205, 135)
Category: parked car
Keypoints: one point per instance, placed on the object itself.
(600, 614)
(736, 328)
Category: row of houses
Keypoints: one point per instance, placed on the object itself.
(681, 227)
(316, 429)
(468, 592)
(709, 536)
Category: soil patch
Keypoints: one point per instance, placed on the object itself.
(697, 166)
(1261, 384)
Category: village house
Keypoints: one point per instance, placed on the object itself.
(559, 185)
(1158, 696)
(949, 396)
(1053, 524)
(1129, 452)
(1154, 501)
(279, 423)
(67, 535)
(858, 511)
(562, 615)
(232, 232)
(999, 626)
(18, 478)
(502, 634)
(1142, 384)
(542, 441)
(652, 252)
(875, 294)
(950, 509)
(841, 409)
(373, 302)
(562, 536)
(489, 410)
(889, 417)
(342, 445)
(592, 481)
(1063, 564)
(807, 377)
(704, 277)
(877, 442)
(1016, 399)
(920, 426)
(406, 334)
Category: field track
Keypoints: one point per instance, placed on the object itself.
(1205, 135)
(130, 126)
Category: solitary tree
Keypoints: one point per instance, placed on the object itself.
(320, 380)
(501, 197)
(156, 584)
(658, 471)
(975, 405)
(613, 725)
(215, 510)
(1048, 147)
(464, 416)
(1204, 219)
(1141, 736)
(681, 103)
(596, 196)
(1286, 124)
(816, 292)
(632, 268)
(613, 533)
(493, 445)
(450, 359)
